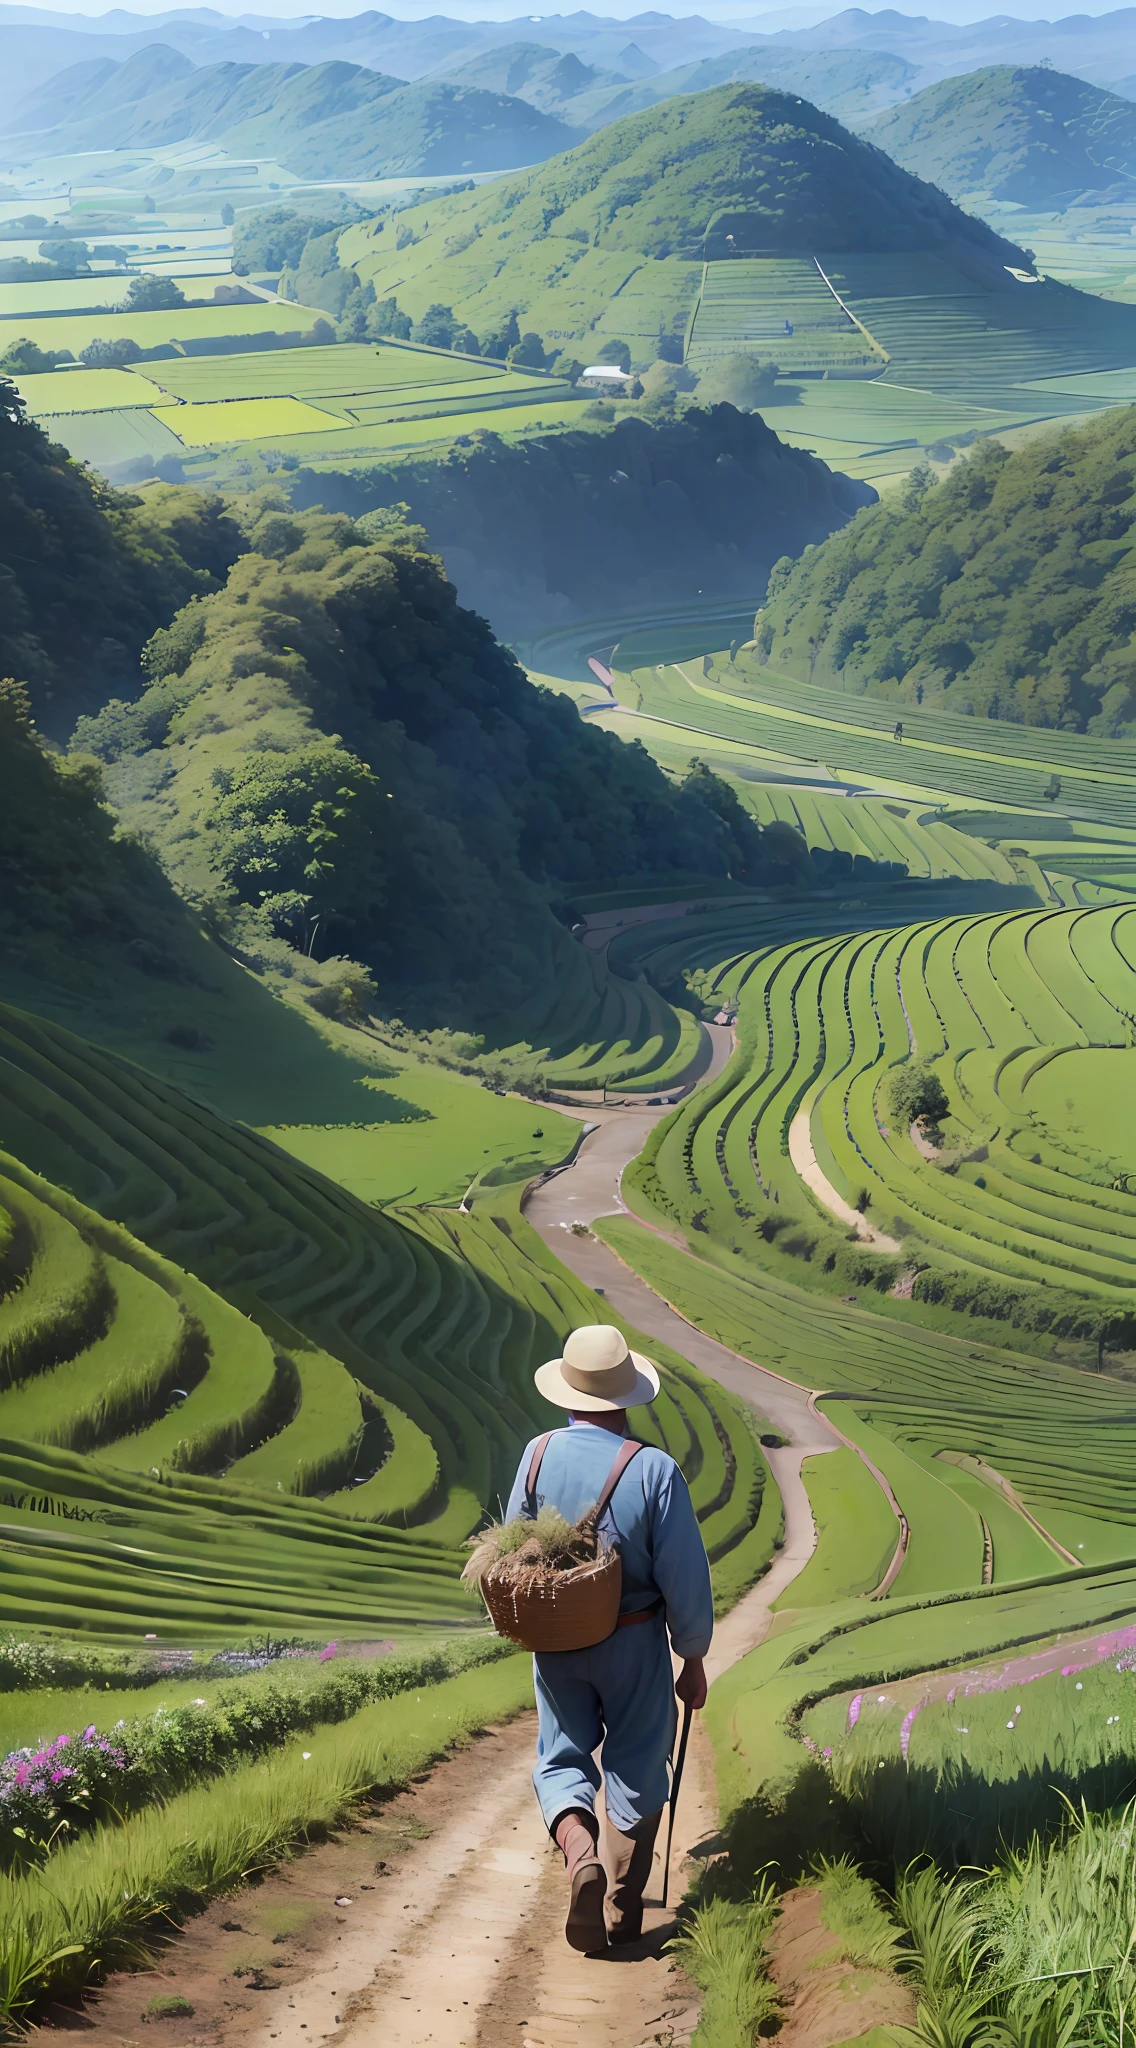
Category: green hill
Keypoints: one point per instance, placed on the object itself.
(320, 754)
(636, 211)
(1026, 134)
(1005, 590)
(321, 120)
(331, 756)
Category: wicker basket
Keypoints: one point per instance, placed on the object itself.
(565, 1611)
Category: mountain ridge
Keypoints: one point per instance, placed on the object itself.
(323, 120)
(1027, 134)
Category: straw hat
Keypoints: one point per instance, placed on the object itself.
(597, 1373)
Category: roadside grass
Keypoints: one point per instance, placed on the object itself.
(113, 1892)
(856, 1532)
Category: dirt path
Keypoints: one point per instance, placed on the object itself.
(450, 1931)
(806, 1164)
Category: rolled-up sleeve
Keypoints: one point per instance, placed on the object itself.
(681, 1568)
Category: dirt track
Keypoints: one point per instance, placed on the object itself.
(458, 1939)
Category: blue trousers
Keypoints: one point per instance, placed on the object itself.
(618, 1698)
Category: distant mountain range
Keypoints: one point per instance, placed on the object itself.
(373, 96)
(1031, 135)
(321, 120)
(34, 45)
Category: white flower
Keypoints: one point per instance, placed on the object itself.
(307, 1755)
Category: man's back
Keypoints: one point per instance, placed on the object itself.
(650, 1520)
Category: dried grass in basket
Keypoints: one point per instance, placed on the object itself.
(546, 1584)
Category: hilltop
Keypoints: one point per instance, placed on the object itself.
(740, 169)
(1004, 590)
(1030, 135)
(320, 120)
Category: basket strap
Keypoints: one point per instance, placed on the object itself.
(539, 1449)
(627, 1451)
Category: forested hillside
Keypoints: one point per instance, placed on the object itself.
(1007, 589)
(332, 744)
(560, 526)
(329, 753)
(1028, 134)
(87, 573)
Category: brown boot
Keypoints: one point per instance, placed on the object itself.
(577, 1834)
(628, 1857)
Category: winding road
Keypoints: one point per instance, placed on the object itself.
(462, 1944)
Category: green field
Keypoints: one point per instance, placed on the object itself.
(359, 398)
(782, 309)
(1021, 1185)
(314, 1344)
(856, 1532)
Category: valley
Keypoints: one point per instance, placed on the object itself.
(566, 760)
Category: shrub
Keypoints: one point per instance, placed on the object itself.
(915, 1090)
(149, 294)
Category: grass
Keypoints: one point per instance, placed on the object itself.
(722, 1948)
(1061, 1438)
(114, 1892)
(185, 324)
(248, 419)
(59, 392)
(458, 1132)
(1013, 1192)
(978, 760)
(748, 307)
(856, 1532)
(362, 396)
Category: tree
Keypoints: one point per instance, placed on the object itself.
(742, 380)
(436, 328)
(69, 254)
(915, 1091)
(148, 294)
(663, 378)
(110, 355)
(498, 344)
(569, 366)
(466, 343)
(613, 351)
(527, 353)
(301, 835)
(387, 321)
(228, 214)
(24, 358)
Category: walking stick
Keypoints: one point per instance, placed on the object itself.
(676, 1781)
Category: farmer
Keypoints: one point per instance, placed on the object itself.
(621, 1692)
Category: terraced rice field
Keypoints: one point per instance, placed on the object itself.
(984, 762)
(200, 1304)
(782, 309)
(1036, 1171)
(952, 1794)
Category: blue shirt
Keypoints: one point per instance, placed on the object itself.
(650, 1520)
